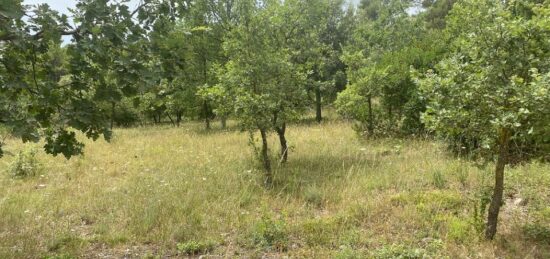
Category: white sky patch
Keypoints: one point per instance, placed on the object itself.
(62, 6)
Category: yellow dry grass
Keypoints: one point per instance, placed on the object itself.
(154, 187)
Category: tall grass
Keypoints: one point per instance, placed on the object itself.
(155, 189)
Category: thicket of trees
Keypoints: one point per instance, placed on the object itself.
(474, 72)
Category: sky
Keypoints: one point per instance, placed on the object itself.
(62, 5)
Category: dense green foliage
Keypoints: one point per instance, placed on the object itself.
(474, 73)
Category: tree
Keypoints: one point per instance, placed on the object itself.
(495, 86)
(40, 98)
(386, 42)
(365, 83)
(266, 89)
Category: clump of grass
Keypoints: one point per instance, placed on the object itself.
(399, 251)
(270, 234)
(347, 252)
(537, 231)
(318, 232)
(462, 174)
(459, 229)
(314, 196)
(196, 247)
(67, 244)
(439, 180)
(25, 164)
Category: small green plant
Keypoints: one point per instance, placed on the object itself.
(458, 229)
(537, 231)
(269, 233)
(196, 247)
(438, 180)
(25, 164)
(482, 199)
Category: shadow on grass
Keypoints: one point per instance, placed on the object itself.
(302, 172)
(233, 126)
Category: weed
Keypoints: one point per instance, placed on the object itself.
(458, 229)
(270, 233)
(25, 164)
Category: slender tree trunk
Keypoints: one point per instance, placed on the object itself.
(178, 119)
(113, 113)
(206, 114)
(318, 114)
(496, 201)
(171, 120)
(265, 157)
(282, 139)
(224, 122)
(390, 115)
(370, 126)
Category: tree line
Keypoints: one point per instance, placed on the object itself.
(475, 73)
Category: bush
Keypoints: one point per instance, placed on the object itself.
(25, 164)
(126, 115)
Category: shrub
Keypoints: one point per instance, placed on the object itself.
(25, 164)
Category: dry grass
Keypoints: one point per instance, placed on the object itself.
(337, 197)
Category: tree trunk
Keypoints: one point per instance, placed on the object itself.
(370, 126)
(224, 122)
(113, 113)
(206, 114)
(496, 201)
(390, 115)
(318, 114)
(178, 119)
(171, 120)
(265, 158)
(282, 139)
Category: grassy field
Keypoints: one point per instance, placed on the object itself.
(177, 192)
